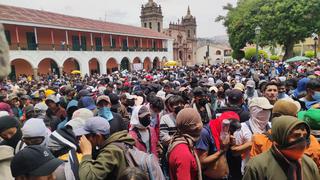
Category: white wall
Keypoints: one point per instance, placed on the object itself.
(201, 52)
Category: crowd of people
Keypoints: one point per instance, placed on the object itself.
(227, 121)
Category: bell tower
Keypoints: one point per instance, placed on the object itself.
(151, 16)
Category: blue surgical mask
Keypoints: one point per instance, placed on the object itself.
(281, 95)
(106, 113)
(316, 96)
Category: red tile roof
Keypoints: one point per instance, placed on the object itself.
(24, 15)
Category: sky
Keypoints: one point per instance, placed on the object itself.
(128, 11)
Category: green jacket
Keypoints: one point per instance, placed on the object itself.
(265, 166)
(109, 162)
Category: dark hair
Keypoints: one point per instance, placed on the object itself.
(175, 99)
(313, 84)
(156, 103)
(264, 88)
(133, 173)
(281, 83)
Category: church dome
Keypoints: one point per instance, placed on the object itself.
(151, 4)
(188, 16)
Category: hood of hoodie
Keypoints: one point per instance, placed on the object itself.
(121, 136)
(6, 153)
(282, 126)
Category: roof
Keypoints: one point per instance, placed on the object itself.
(18, 16)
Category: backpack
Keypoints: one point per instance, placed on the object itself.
(146, 162)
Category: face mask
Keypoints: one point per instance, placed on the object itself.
(13, 141)
(106, 113)
(281, 95)
(130, 102)
(203, 101)
(316, 96)
(221, 94)
(295, 151)
(145, 121)
(178, 109)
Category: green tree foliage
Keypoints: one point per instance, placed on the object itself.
(238, 54)
(251, 52)
(274, 57)
(284, 22)
(309, 54)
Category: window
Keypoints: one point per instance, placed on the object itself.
(150, 25)
(218, 52)
(31, 41)
(75, 43)
(189, 34)
(83, 43)
(159, 27)
(98, 44)
(145, 25)
(8, 37)
(113, 44)
(136, 43)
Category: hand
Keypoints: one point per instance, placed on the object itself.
(85, 146)
(224, 144)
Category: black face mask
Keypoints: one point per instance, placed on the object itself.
(145, 121)
(178, 109)
(13, 141)
(203, 101)
(130, 102)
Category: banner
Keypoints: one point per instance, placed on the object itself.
(137, 66)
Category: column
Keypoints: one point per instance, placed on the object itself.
(102, 41)
(141, 43)
(67, 41)
(52, 41)
(127, 43)
(119, 67)
(111, 44)
(17, 37)
(36, 37)
(91, 41)
(35, 73)
(103, 68)
(61, 70)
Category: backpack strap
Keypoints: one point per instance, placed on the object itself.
(124, 147)
(136, 130)
(248, 124)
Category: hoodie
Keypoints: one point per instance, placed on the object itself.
(6, 155)
(110, 161)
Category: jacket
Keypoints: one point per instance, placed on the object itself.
(267, 166)
(140, 144)
(6, 155)
(110, 161)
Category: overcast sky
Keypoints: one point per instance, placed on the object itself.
(128, 11)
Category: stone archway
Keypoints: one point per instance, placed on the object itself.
(20, 67)
(125, 64)
(136, 64)
(156, 63)
(147, 64)
(112, 65)
(48, 66)
(70, 64)
(94, 66)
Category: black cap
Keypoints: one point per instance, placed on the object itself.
(84, 92)
(234, 96)
(34, 160)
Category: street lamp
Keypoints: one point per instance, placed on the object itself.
(315, 38)
(257, 32)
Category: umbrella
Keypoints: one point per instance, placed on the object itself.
(76, 72)
(297, 58)
(171, 63)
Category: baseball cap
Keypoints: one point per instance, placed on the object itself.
(251, 83)
(235, 95)
(286, 106)
(94, 125)
(213, 88)
(34, 160)
(143, 111)
(261, 102)
(87, 102)
(128, 96)
(103, 98)
(52, 98)
(79, 118)
(34, 127)
(84, 92)
(239, 86)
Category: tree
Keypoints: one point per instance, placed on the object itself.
(251, 52)
(274, 57)
(238, 54)
(284, 22)
(309, 54)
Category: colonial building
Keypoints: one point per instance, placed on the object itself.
(43, 42)
(184, 32)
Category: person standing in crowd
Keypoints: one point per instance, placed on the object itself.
(285, 159)
(251, 91)
(260, 111)
(312, 98)
(34, 163)
(201, 104)
(145, 136)
(10, 131)
(282, 91)
(109, 160)
(270, 91)
(183, 159)
(55, 113)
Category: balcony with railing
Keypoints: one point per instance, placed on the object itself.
(64, 47)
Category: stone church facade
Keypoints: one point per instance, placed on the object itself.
(184, 32)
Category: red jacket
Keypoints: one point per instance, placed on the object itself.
(182, 164)
(141, 146)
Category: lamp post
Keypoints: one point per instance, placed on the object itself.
(315, 38)
(257, 32)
